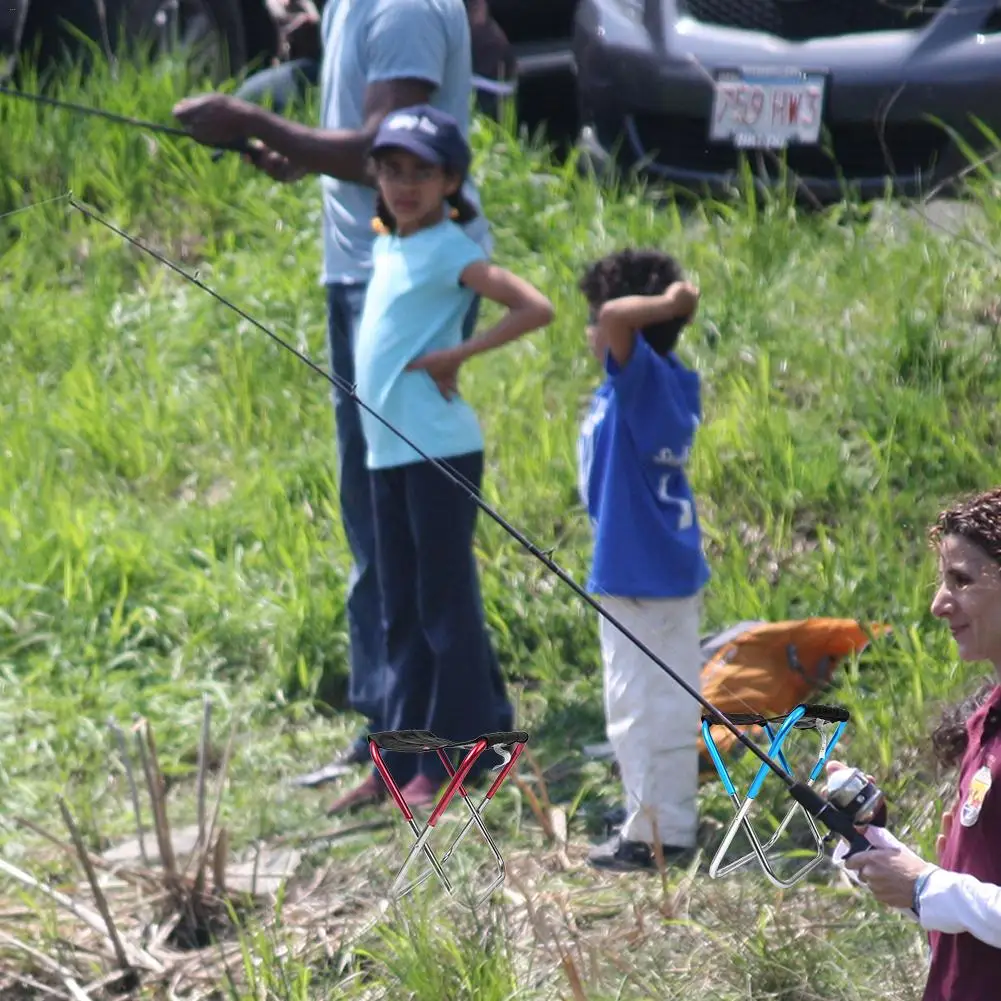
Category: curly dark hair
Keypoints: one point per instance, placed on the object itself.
(635, 272)
(978, 520)
(950, 739)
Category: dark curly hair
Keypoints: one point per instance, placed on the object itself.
(635, 272)
(978, 520)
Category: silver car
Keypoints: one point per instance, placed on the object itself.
(833, 94)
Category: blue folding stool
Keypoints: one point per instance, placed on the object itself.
(803, 717)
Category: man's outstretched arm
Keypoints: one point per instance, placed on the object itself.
(407, 51)
(213, 119)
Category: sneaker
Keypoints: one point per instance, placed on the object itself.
(371, 792)
(614, 819)
(619, 855)
(356, 754)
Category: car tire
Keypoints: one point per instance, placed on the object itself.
(225, 28)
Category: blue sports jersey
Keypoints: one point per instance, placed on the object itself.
(632, 451)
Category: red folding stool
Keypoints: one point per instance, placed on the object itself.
(508, 745)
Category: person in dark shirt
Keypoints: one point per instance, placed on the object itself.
(958, 900)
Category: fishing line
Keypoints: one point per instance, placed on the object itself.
(37, 205)
(815, 804)
(239, 146)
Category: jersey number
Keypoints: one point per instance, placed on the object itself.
(685, 516)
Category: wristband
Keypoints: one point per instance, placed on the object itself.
(919, 886)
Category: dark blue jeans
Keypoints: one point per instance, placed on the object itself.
(367, 676)
(441, 668)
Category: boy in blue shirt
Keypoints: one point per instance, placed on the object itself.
(648, 566)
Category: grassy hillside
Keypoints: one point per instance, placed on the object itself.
(169, 531)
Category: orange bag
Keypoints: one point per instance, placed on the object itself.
(771, 667)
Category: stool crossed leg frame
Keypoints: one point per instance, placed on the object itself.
(423, 741)
(803, 717)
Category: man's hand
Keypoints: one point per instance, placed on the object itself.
(889, 873)
(276, 166)
(216, 119)
(443, 367)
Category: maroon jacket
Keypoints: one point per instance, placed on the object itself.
(963, 968)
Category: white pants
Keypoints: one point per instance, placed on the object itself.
(653, 724)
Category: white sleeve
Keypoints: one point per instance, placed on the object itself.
(952, 902)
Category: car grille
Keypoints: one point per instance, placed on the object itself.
(800, 20)
(853, 151)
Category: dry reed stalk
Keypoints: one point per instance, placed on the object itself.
(156, 784)
(138, 957)
(123, 749)
(203, 852)
(126, 874)
(40, 957)
(99, 897)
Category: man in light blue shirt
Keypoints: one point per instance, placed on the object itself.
(378, 55)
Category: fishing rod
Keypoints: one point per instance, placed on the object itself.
(835, 818)
(237, 146)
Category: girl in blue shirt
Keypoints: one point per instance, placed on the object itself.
(440, 662)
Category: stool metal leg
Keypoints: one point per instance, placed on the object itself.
(477, 819)
(398, 888)
(422, 837)
(742, 807)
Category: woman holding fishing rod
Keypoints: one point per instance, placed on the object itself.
(958, 899)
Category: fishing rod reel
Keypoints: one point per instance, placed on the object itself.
(857, 796)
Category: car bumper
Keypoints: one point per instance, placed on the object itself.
(646, 92)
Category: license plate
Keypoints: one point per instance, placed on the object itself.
(767, 111)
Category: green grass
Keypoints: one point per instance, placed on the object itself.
(169, 530)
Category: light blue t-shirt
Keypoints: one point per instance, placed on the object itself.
(364, 42)
(414, 304)
(632, 451)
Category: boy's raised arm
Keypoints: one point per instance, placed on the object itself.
(619, 320)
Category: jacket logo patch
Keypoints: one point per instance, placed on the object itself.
(980, 785)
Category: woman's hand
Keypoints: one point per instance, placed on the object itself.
(443, 367)
(943, 834)
(837, 766)
(889, 873)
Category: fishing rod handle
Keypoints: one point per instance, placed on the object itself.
(830, 816)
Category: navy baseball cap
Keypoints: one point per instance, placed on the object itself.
(427, 132)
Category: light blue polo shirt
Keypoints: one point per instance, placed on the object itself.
(414, 304)
(366, 41)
